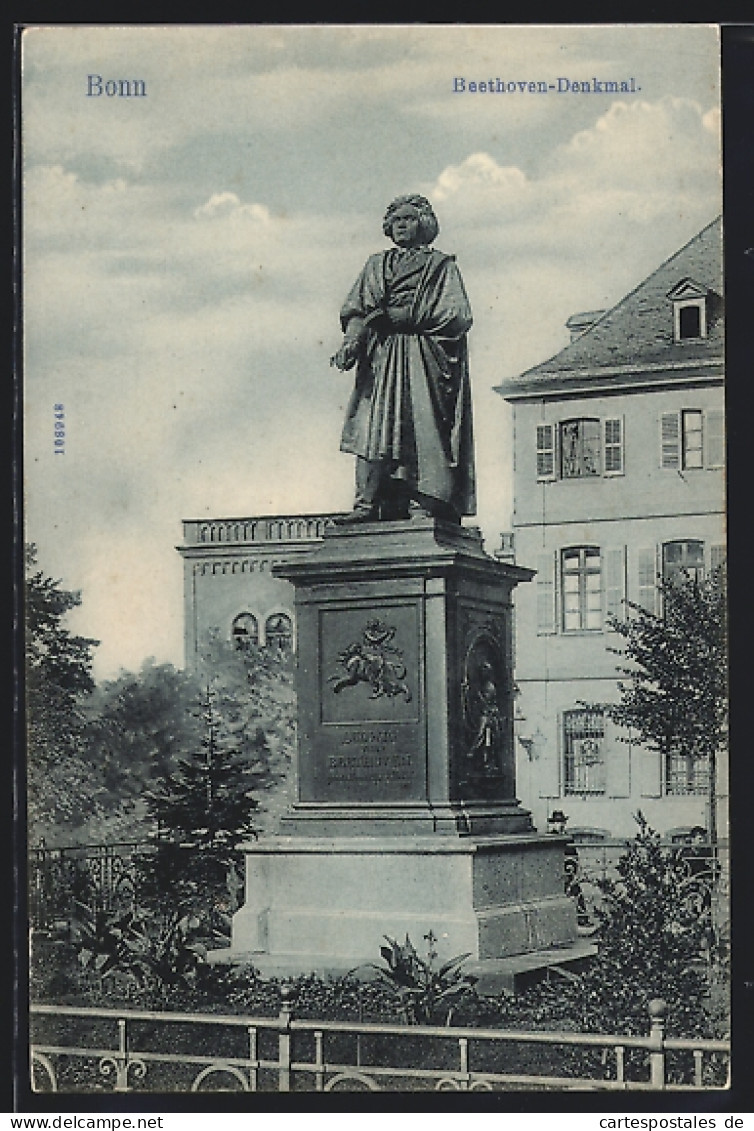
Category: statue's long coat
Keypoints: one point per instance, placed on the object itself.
(411, 404)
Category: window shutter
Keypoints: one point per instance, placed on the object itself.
(647, 580)
(545, 451)
(547, 767)
(715, 430)
(670, 441)
(545, 594)
(651, 773)
(613, 454)
(718, 556)
(614, 576)
(618, 757)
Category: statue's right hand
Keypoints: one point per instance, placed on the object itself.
(346, 356)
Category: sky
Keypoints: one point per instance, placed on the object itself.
(186, 254)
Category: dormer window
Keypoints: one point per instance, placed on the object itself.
(689, 311)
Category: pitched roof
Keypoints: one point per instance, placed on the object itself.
(638, 331)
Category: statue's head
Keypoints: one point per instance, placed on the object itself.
(427, 221)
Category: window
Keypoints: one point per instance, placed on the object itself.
(581, 588)
(686, 774)
(580, 448)
(690, 321)
(587, 447)
(692, 439)
(584, 751)
(245, 630)
(278, 632)
(682, 560)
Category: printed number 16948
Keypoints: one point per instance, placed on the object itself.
(59, 414)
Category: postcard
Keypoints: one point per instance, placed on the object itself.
(374, 510)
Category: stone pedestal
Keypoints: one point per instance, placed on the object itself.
(319, 904)
(406, 818)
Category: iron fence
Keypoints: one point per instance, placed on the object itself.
(89, 1050)
(102, 876)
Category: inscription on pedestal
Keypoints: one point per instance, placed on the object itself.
(369, 756)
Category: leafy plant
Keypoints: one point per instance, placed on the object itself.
(158, 951)
(174, 954)
(111, 942)
(424, 993)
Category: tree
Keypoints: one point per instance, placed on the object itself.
(58, 682)
(139, 724)
(58, 664)
(255, 697)
(674, 694)
(204, 810)
(653, 937)
(206, 801)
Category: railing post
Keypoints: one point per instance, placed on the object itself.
(285, 1016)
(657, 1010)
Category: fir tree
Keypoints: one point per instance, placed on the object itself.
(206, 801)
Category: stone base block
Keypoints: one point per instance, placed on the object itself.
(331, 901)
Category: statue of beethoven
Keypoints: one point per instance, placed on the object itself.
(409, 420)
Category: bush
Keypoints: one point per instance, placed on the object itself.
(653, 939)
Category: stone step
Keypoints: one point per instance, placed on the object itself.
(495, 975)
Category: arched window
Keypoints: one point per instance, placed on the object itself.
(278, 632)
(245, 630)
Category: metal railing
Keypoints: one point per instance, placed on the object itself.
(130, 1050)
(99, 875)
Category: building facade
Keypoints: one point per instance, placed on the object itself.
(228, 584)
(618, 480)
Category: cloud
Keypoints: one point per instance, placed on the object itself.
(228, 203)
(479, 171)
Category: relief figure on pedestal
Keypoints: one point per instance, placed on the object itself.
(409, 417)
(373, 660)
(484, 714)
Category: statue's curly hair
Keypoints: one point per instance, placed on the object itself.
(428, 226)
